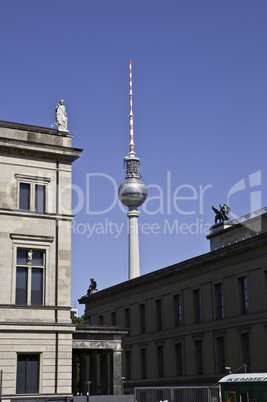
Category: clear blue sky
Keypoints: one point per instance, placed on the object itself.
(200, 115)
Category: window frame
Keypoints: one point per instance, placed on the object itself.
(246, 352)
(219, 301)
(143, 363)
(35, 243)
(32, 182)
(177, 303)
(159, 318)
(160, 360)
(243, 294)
(199, 357)
(179, 359)
(29, 269)
(221, 353)
(114, 318)
(142, 318)
(128, 365)
(127, 319)
(28, 355)
(197, 305)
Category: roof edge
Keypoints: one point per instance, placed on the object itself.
(30, 127)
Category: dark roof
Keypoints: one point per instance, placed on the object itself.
(194, 262)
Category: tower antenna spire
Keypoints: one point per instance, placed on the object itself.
(131, 153)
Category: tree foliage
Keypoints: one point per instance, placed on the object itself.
(76, 320)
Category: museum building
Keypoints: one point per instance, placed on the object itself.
(39, 345)
(189, 321)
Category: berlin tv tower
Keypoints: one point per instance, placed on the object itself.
(132, 193)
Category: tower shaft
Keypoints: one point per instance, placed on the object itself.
(134, 263)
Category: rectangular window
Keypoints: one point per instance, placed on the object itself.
(142, 311)
(219, 301)
(246, 351)
(128, 365)
(179, 360)
(101, 320)
(27, 374)
(243, 292)
(197, 305)
(221, 354)
(143, 364)
(24, 196)
(159, 314)
(113, 318)
(39, 198)
(128, 320)
(199, 358)
(29, 277)
(32, 193)
(177, 310)
(160, 361)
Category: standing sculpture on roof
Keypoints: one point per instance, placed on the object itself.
(61, 116)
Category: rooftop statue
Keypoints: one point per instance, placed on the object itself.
(93, 284)
(222, 214)
(61, 116)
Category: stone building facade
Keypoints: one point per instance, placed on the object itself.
(35, 214)
(188, 321)
(39, 346)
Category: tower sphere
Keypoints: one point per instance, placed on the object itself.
(132, 192)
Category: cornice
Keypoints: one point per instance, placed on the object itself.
(38, 151)
(36, 215)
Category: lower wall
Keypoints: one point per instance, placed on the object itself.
(55, 351)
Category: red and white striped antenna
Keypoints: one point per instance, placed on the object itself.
(131, 153)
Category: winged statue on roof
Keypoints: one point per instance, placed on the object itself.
(221, 214)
